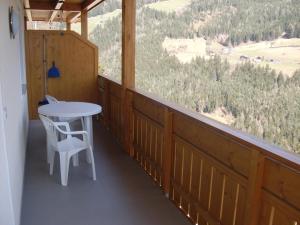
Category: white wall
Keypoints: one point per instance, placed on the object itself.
(13, 116)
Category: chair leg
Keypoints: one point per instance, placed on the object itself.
(82, 123)
(64, 168)
(48, 151)
(92, 162)
(51, 156)
(67, 168)
(85, 122)
(75, 160)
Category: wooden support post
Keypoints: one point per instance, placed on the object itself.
(68, 26)
(253, 202)
(128, 43)
(168, 131)
(128, 68)
(84, 24)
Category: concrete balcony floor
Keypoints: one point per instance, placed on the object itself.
(122, 195)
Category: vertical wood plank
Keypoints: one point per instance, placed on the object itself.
(84, 24)
(128, 123)
(282, 218)
(230, 202)
(217, 194)
(177, 170)
(266, 214)
(207, 177)
(147, 124)
(240, 209)
(167, 151)
(106, 104)
(153, 146)
(195, 183)
(253, 201)
(186, 176)
(158, 155)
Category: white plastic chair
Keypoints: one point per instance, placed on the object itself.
(53, 100)
(67, 147)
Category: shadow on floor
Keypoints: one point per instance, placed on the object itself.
(122, 195)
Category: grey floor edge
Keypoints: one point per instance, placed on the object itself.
(122, 195)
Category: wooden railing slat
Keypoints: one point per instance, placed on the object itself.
(253, 202)
(167, 151)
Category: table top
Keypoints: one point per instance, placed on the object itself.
(70, 109)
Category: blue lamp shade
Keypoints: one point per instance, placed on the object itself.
(53, 71)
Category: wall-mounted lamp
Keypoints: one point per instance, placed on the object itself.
(13, 19)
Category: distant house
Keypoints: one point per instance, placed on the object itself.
(244, 58)
(258, 59)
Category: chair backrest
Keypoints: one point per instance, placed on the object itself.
(51, 99)
(50, 130)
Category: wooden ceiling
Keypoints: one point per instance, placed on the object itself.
(57, 10)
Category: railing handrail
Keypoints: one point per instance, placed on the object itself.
(288, 158)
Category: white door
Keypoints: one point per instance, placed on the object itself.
(6, 209)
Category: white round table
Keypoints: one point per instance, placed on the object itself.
(71, 110)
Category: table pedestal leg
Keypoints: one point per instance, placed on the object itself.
(88, 122)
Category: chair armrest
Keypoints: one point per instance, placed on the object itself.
(62, 124)
(77, 132)
(68, 131)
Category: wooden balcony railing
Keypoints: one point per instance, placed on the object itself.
(213, 174)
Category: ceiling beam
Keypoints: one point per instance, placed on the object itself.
(57, 7)
(39, 5)
(85, 6)
(89, 4)
(28, 12)
(72, 17)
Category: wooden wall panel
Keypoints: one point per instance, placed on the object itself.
(34, 71)
(213, 143)
(149, 108)
(277, 212)
(115, 90)
(148, 145)
(206, 190)
(283, 182)
(77, 60)
(115, 117)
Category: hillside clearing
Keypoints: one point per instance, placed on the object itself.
(185, 49)
(222, 115)
(169, 6)
(281, 54)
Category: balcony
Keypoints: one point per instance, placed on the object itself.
(157, 163)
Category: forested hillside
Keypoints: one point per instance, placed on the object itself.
(261, 100)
